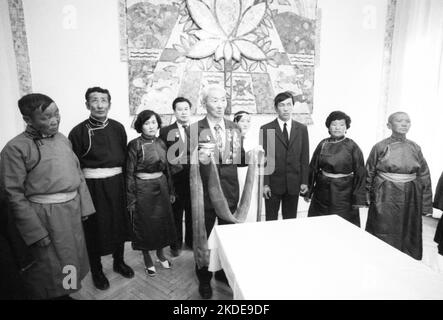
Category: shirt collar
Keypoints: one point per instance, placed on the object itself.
(212, 124)
(288, 124)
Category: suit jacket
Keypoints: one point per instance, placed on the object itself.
(231, 157)
(179, 162)
(291, 161)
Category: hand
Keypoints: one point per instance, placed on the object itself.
(436, 213)
(304, 189)
(267, 192)
(85, 218)
(307, 199)
(172, 198)
(43, 242)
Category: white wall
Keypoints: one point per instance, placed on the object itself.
(65, 62)
(11, 123)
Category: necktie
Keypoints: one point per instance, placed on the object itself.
(185, 126)
(285, 134)
(218, 138)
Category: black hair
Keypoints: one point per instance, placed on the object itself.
(97, 89)
(282, 96)
(143, 116)
(178, 100)
(33, 101)
(338, 115)
(238, 115)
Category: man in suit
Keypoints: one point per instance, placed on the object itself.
(176, 139)
(228, 153)
(286, 146)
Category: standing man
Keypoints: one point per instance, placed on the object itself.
(46, 198)
(100, 145)
(289, 151)
(226, 136)
(176, 140)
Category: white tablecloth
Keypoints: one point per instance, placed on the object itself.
(316, 258)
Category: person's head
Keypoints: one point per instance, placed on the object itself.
(337, 123)
(243, 119)
(284, 105)
(399, 123)
(182, 109)
(40, 112)
(148, 122)
(98, 102)
(214, 100)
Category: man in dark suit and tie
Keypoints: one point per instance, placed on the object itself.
(176, 140)
(286, 146)
(228, 153)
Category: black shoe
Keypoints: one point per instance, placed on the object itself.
(100, 281)
(205, 290)
(125, 270)
(221, 276)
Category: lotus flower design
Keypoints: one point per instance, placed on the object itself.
(224, 29)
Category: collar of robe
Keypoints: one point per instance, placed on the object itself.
(34, 134)
(95, 123)
(398, 138)
(147, 138)
(336, 139)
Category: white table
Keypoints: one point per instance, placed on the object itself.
(316, 258)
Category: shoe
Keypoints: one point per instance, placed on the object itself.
(221, 276)
(150, 271)
(205, 290)
(100, 280)
(165, 264)
(175, 252)
(125, 270)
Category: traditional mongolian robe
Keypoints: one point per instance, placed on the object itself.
(152, 218)
(399, 187)
(101, 149)
(337, 179)
(48, 196)
(438, 203)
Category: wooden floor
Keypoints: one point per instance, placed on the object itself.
(180, 282)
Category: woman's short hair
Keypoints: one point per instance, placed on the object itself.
(238, 115)
(33, 101)
(143, 116)
(338, 115)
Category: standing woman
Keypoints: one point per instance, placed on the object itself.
(399, 187)
(243, 119)
(150, 191)
(337, 173)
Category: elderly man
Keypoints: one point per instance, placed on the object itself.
(100, 145)
(399, 189)
(228, 153)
